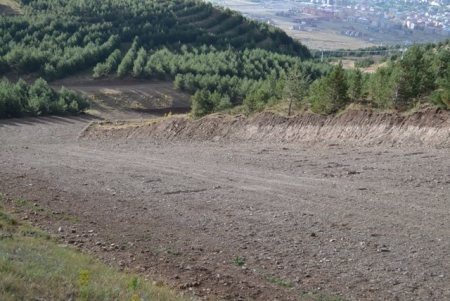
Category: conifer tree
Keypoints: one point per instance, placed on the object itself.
(329, 94)
(296, 87)
(355, 85)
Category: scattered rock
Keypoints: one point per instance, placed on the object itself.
(384, 249)
(189, 284)
(352, 172)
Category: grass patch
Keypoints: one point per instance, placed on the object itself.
(59, 216)
(239, 261)
(34, 267)
(21, 203)
(50, 214)
(6, 220)
(279, 282)
(314, 296)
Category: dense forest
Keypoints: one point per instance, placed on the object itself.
(59, 38)
(223, 60)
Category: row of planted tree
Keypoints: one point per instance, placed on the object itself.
(257, 78)
(252, 80)
(38, 99)
(60, 38)
(419, 76)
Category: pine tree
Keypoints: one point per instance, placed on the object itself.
(202, 103)
(296, 87)
(400, 88)
(329, 94)
(378, 86)
(337, 88)
(355, 85)
(417, 69)
(139, 63)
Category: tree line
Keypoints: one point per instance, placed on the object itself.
(221, 59)
(230, 73)
(421, 75)
(38, 99)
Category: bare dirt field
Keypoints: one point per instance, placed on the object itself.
(9, 7)
(128, 98)
(266, 208)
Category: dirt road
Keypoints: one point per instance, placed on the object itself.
(240, 220)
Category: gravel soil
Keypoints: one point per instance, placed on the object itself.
(249, 219)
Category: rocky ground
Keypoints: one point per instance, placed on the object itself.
(269, 208)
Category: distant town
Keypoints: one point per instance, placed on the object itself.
(374, 22)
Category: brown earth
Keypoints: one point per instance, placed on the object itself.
(9, 7)
(355, 206)
(128, 98)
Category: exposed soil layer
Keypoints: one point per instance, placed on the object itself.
(355, 127)
(266, 208)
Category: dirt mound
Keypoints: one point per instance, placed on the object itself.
(362, 127)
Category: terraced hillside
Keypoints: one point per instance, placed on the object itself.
(9, 7)
(57, 39)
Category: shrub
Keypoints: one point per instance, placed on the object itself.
(365, 62)
(38, 99)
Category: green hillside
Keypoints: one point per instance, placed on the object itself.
(59, 38)
(225, 61)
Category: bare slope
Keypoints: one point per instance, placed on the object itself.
(427, 127)
(362, 222)
(128, 98)
(9, 7)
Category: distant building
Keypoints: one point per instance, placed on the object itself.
(295, 27)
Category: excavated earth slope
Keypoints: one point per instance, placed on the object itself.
(428, 127)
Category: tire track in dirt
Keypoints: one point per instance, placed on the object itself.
(377, 235)
(281, 186)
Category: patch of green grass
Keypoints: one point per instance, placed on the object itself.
(21, 203)
(279, 282)
(66, 217)
(314, 296)
(7, 220)
(133, 283)
(239, 261)
(34, 266)
(26, 204)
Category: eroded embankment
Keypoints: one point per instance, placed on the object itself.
(428, 127)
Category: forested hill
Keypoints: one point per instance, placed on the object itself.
(60, 37)
(225, 61)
